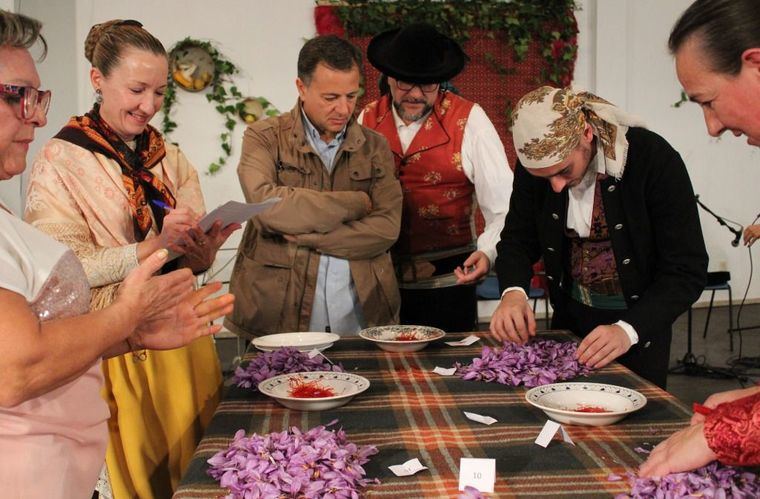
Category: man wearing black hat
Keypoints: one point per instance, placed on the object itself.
(453, 172)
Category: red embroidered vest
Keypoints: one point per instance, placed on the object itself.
(440, 209)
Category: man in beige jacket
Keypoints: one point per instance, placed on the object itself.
(318, 260)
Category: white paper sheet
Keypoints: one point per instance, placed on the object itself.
(480, 419)
(445, 372)
(478, 473)
(465, 342)
(408, 468)
(234, 212)
(549, 430)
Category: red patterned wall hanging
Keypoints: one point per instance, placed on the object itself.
(494, 77)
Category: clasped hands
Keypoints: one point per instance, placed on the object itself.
(514, 321)
(181, 234)
(166, 310)
(687, 449)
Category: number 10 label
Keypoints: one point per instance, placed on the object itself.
(478, 473)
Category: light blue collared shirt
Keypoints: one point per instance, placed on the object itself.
(336, 304)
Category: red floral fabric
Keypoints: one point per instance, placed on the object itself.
(592, 259)
(440, 211)
(732, 431)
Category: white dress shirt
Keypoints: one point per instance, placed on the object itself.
(336, 304)
(484, 163)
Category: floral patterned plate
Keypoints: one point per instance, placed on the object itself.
(345, 386)
(402, 338)
(586, 404)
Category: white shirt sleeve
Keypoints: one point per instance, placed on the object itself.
(632, 335)
(485, 164)
(514, 288)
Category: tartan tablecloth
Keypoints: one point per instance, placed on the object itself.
(409, 412)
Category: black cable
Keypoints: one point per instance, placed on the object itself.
(742, 365)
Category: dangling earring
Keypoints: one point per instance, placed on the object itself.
(98, 96)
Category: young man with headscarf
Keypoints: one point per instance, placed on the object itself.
(609, 206)
(452, 167)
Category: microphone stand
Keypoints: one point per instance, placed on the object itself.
(736, 232)
(689, 365)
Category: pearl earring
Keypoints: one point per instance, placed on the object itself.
(98, 96)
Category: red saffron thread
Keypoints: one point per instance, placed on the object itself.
(591, 408)
(308, 389)
(407, 336)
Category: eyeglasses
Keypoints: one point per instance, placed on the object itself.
(29, 98)
(427, 88)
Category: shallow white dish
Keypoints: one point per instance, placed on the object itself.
(385, 337)
(304, 341)
(345, 385)
(561, 401)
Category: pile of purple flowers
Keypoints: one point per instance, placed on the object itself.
(281, 361)
(536, 363)
(712, 481)
(471, 492)
(317, 463)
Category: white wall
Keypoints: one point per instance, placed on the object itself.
(634, 69)
(622, 57)
(56, 70)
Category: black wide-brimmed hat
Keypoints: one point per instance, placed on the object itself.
(416, 53)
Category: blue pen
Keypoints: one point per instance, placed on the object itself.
(161, 204)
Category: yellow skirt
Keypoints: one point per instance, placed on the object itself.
(159, 409)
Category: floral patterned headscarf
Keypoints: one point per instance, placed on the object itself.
(549, 122)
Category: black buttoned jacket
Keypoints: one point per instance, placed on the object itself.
(654, 226)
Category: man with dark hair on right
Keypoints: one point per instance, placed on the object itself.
(318, 260)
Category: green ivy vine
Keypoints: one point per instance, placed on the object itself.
(521, 22)
(225, 96)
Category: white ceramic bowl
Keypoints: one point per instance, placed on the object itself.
(386, 337)
(345, 385)
(304, 341)
(561, 401)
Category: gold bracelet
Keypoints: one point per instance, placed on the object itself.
(139, 354)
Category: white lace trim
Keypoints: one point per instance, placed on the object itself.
(103, 266)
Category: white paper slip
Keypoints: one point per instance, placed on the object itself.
(314, 352)
(233, 212)
(549, 430)
(566, 436)
(408, 468)
(465, 342)
(478, 473)
(479, 418)
(445, 372)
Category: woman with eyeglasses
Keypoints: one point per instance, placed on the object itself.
(53, 420)
(109, 186)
